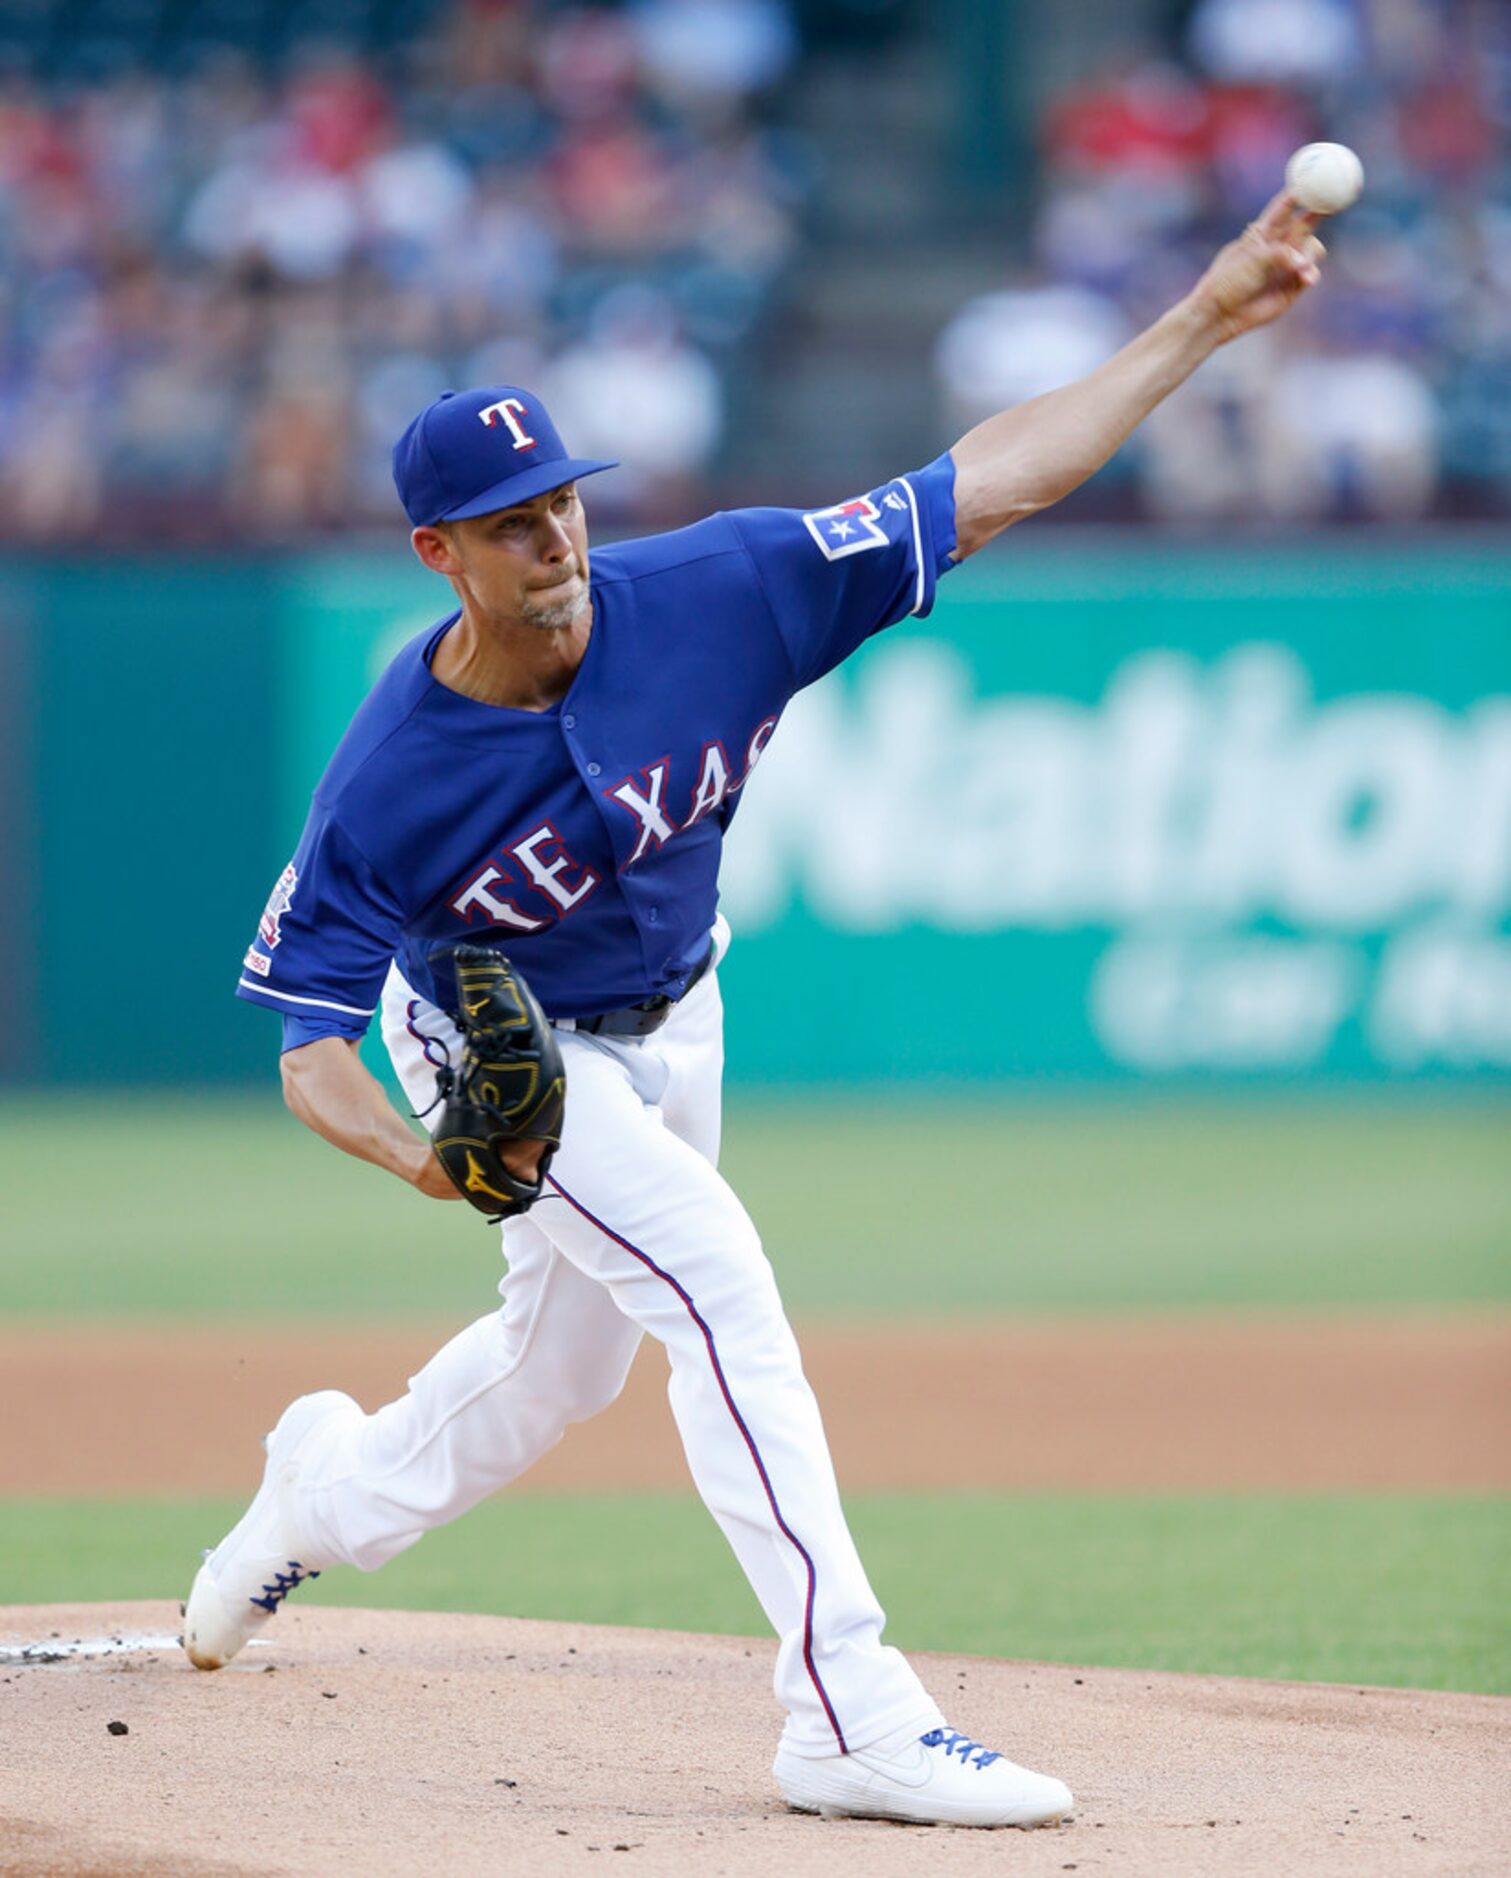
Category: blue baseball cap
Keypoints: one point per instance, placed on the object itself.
(471, 452)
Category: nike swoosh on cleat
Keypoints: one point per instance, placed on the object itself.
(914, 1773)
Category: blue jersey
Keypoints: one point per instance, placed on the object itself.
(584, 840)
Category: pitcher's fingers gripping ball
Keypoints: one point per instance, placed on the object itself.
(510, 1086)
(1325, 177)
(1254, 279)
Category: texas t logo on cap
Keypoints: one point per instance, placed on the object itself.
(505, 409)
(471, 452)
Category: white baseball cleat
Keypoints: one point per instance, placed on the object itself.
(940, 1779)
(259, 1562)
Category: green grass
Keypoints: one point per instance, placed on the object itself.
(226, 1206)
(1400, 1590)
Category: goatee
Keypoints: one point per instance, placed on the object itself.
(556, 613)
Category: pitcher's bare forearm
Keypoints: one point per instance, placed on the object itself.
(1029, 457)
(327, 1085)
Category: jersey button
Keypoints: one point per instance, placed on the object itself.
(570, 721)
(595, 769)
(653, 914)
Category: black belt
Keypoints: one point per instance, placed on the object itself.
(639, 1020)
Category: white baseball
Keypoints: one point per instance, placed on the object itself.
(1324, 177)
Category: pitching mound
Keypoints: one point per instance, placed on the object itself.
(378, 1743)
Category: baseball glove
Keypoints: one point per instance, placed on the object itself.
(509, 1086)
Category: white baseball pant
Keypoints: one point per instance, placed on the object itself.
(637, 1232)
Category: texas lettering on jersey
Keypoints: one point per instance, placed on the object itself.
(543, 865)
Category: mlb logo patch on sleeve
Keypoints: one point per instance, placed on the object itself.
(847, 528)
(277, 906)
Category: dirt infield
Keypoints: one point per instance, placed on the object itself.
(1173, 1404)
(385, 1745)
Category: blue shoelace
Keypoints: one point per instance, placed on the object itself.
(953, 1743)
(284, 1582)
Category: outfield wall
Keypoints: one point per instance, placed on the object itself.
(1114, 812)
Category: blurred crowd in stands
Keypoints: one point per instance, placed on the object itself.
(227, 282)
(225, 289)
(1387, 394)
